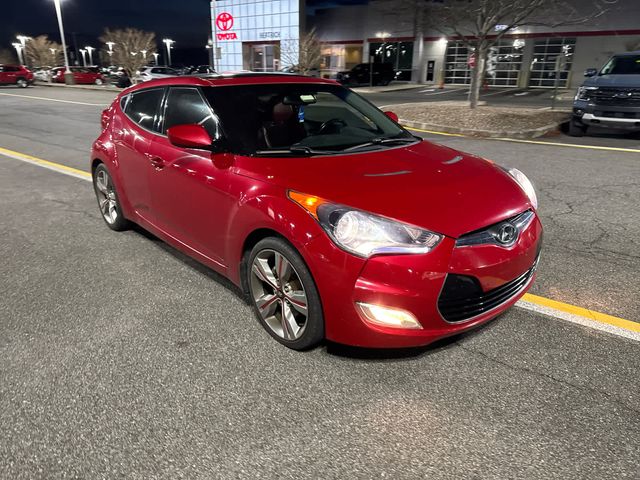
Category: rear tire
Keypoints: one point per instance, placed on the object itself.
(22, 83)
(576, 130)
(284, 295)
(108, 200)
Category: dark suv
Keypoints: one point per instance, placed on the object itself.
(15, 75)
(609, 98)
(383, 73)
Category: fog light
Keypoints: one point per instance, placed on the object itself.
(388, 317)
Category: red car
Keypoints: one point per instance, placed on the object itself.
(15, 75)
(81, 75)
(335, 221)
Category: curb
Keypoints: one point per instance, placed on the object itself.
(94, 88)
(517, 134)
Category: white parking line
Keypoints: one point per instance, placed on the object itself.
(581, 320)
(53, 100)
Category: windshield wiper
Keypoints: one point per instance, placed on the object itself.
(298, 150)
(380, 141)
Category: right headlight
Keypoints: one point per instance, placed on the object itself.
(525, 184)
(584, 93)
(365, 234)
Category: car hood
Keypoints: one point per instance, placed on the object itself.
(425, 184)
(623, 81)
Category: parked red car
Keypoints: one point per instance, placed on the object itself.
(336, 221)
(15, 75)
(81, 75)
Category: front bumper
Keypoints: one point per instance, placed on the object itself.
(607, 116)
(414, 283)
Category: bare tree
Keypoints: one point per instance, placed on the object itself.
(42, 52)
(306, 56)
(7, 56)
(132, 48)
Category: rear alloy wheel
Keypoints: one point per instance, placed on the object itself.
(284, 294)
(22, 83)
(108, 199)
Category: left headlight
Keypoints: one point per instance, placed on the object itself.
(526, 185)
(365, 234)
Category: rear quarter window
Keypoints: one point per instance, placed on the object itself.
(143, 107)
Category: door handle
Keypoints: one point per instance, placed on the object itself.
(156, 162)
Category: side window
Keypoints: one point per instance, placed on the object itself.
(186, 106)
(142, 107)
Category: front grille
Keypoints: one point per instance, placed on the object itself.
(606, 114)
(462, 297)
(616, 96)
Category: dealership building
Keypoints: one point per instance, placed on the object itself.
(263, 35)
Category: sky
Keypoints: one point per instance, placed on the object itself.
(185, 21)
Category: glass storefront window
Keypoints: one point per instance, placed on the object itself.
(504, 63)
(336, 58)
(545, 55)
(399, 54)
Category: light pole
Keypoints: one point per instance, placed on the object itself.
(68, 76)
(18, 47)
(90, 50)
(53, 55)
(155, 58)
(84, 58)
(168, 42)
(144, 54)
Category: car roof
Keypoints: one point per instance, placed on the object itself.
(627, 54)
(219, 80)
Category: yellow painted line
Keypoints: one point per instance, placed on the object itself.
(33, 97)
(534, 142)
(583, 312)
(57, 167)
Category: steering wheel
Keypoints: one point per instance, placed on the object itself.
(336, 123)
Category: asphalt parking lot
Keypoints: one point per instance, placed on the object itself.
(120, 357)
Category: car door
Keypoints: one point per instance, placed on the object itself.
(189, 193)
(10, 74)
(132, 137)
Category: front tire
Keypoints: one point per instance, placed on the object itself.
(98, 81)
(576, 130)
(22, 83)
(284, 295)
(108, 201)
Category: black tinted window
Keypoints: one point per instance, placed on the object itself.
(143, 107)
(186, 106)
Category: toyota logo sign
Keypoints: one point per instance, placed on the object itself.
(224, 21)
(507, 234)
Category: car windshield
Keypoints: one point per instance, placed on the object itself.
(301, 119)
(622, 65)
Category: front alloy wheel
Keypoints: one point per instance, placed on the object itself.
(22, 83)
(108, 199)
(284, 294)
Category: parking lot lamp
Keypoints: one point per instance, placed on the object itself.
(68, 76)
(84, 58)
(90, 50)
(155, 57)
(168, 42)
(18, 47)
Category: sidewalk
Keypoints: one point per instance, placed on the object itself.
(393, 87)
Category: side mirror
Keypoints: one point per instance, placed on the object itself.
(392, 116)
(590, 72)
(190, 136)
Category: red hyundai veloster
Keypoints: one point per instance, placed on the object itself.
(334, 220)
